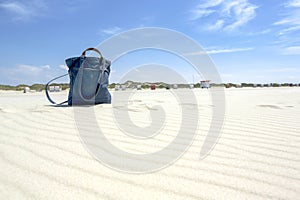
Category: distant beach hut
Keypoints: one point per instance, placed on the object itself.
(191, 86)
(175, 86)
(138, 87)
(51, 88)
(26, 90)
(117, 87)
(204, 84)
(123, 87)
(152, 87)
(57, 88)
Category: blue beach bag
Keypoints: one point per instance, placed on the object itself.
(88, 80)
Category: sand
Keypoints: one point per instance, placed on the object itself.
(256, 157)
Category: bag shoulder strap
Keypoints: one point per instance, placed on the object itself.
(47, 94)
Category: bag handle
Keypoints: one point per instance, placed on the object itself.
(92, 49)
(47, 94)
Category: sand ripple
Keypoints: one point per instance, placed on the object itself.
(257, 155)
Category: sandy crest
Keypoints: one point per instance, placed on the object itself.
(257, 155)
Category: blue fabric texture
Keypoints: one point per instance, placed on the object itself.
(88, 80)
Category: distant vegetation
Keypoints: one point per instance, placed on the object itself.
(37, 87)
(161, 85)
(7, 87)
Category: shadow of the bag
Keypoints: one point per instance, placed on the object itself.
(62, 106)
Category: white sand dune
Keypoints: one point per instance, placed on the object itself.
(257, 155)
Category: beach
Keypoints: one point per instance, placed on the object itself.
(257, 154)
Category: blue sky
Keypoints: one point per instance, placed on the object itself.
(248, 40)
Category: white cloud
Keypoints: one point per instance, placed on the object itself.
(293, 3)
(211, 3)
(29, 69)
(266, 31)
(292, 77)
(199, 13)
(226, 75)
(218, 25)
(292, 50)
(46, 67)
(287, 69)
(219, 51)
(291, 20)
(30, 74)
(111, 30)
(15, 7)
(224, 14)
(65, 67)
(23, 10)
(243, 13)
(289, 30)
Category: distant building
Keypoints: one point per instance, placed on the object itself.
(57, 88)
(175, 86)
(51, 88)
(117, 87)
(26, 90)
(138, 87)
(191, 86)
(204, 84)
(123, 87)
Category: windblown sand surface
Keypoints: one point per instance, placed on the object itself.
(257, 155)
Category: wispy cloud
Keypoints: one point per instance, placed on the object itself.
(23, 10)
(111, 30)
(218, 25)
(293, 3)
(291, 20)
(30, 69)
(263, 32)
(16, 8)
(289, 30)
(65, 67)
(29, 74)
(292, 50)
(288, 69)
(220, 51)
(199, 13)
(224, 14)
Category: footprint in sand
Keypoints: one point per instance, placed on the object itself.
(289, 106)
(270, 106)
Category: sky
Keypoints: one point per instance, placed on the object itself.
(247, 40)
